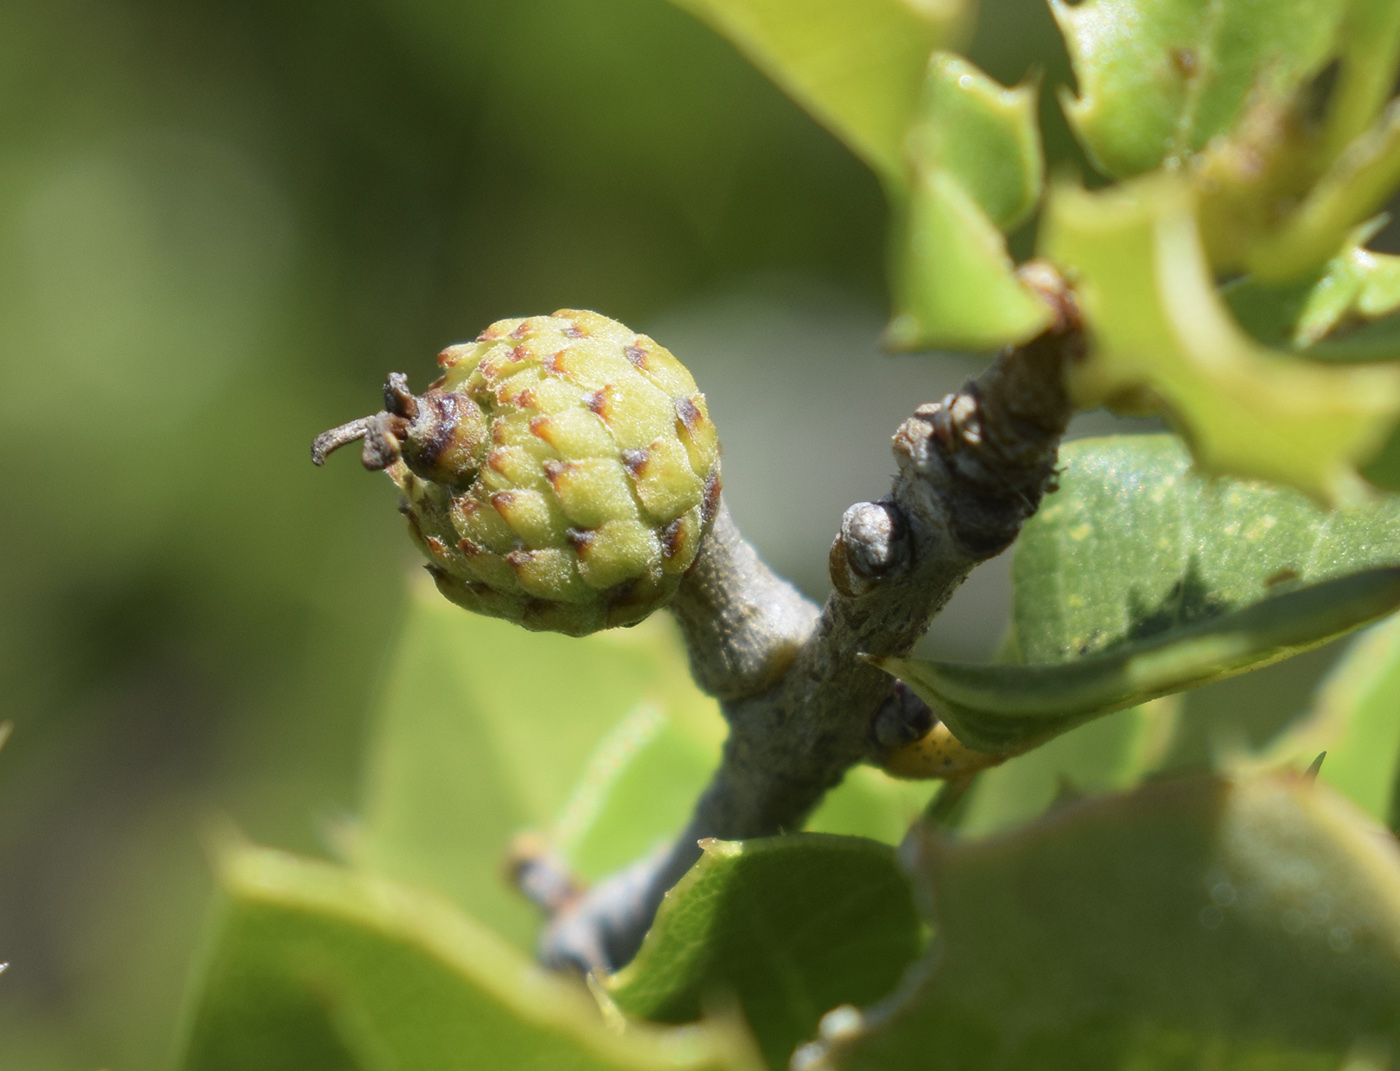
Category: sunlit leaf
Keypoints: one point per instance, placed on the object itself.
(1163, 338)
(1357, 285)
(1139, 578)
(787, 926)
(1355, 187)
(998, 707)
(484, 729)
(318, 968)
(977, 171)
(1370, 52)
(1136, 542)
(1193, 923)
(1159, 78)
(856, 65)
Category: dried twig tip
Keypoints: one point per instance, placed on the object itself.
(328, 442)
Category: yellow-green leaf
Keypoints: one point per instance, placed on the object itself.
(1162, 338)
(1356, 286)
(314, 967)
(856, 65)
(484, 729)
(1158, 79)
(1357, 723)
(786, 926)
(1370, 51)
(976, 171)
(1358, 183)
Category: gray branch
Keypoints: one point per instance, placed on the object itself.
(802, 705)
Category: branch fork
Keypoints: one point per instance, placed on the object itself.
(803, 705)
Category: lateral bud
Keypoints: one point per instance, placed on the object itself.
(873, 544)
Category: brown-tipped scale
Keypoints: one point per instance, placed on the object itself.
(561, 472)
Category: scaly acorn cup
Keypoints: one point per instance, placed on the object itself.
(561, 473)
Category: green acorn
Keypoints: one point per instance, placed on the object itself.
(561, 473)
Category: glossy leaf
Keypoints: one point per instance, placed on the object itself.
(1136, 543)
(1158, 79)
(977, 171)
(1194, 922)
(787, 926)
(856, 65)
(1011, 707)
(1140, 578)
(317, 968)
(1162, 337)
(484, 729)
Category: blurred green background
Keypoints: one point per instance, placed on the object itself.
(221, 224)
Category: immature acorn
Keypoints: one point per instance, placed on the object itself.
(561, 473)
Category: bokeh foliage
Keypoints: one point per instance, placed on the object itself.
(220, 223)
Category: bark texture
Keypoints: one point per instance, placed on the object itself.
(802, 705)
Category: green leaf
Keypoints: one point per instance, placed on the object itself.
(788, 926)
(1011, 707)
(1163, 338)
(483, 730)
(1193, 923)
(984, 136)
(856, 65)
(317, 968)
(1355, 722)
(1356, 285)
(1370, 53)
(1158, 79)
(977, 171)
(1108, 755)
(1354, 188)
(870, 803)
(1139, 578)
(639, 787)
(1136, 543)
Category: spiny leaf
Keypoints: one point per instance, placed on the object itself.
(1357, 184)
(977, 171)
(1162, 337)
(1356, 285)
(1139, 578)
(1136, 543)
(1010, 707)
(317, 968)
(856, 65)
(1158, 79)
(1194, 922)
(1357, 722)
(788, 926)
